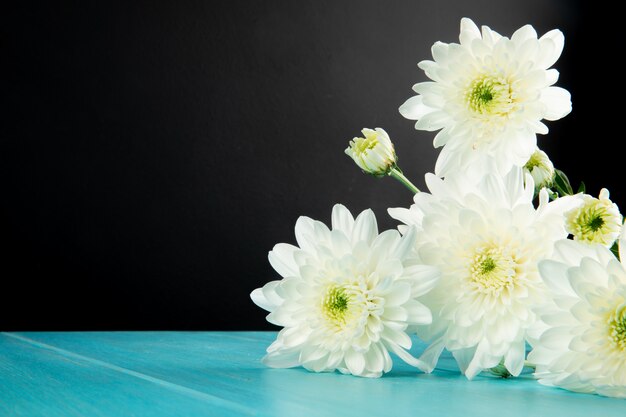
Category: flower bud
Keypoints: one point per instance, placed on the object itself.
(541, 169)
(373, 153)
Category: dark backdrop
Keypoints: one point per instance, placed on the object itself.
(154, 152)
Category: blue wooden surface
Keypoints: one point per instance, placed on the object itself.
(219, 374)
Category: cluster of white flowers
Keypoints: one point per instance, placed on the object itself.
(500, 253)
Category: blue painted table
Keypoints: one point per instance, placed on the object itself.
(220, 374)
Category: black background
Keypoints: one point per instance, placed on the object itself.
(154, 152)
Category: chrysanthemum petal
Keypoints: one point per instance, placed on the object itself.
(524, 33)
(469, 31)
(405, 244)
(423, 278)
(414, 108)
(268, 296)
(556, 41)
(555, 276)
(407, 357)
(365, 227)
(259, 298)
(342, 219)
(282, 259)
(355, 362)
(390, 268)
(441, 138)
(374, 359)
(514, 359)
(399, 294)
(432, 121)
(489, 36)
(446, 162)
(305, 233)
(418, 313)
(557, 101)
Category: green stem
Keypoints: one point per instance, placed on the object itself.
(501, 371)
(397, 174)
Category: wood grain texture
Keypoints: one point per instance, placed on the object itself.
(220, 374)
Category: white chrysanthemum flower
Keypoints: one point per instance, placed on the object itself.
(541, 169)
(582, 332)
(347, 296)
(488, 95)
(598, 220)
(373, 153)
(487, 238)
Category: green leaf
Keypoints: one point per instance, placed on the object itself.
(615, 250)
(582, 188)
(559, 190)
(562, 183)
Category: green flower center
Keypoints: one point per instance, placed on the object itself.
(534, 161)
(335, 304)
(489, 95)
(589, 222)
(492, 270)
(487, 265)
(617, 327)
(596, 223)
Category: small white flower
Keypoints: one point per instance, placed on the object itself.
(374, 153)
(582, 332)
(541, 169)
(487, 238)
(488, 96)
(598, 220)
(347, 296)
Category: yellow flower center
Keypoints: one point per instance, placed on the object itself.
(489, 95)
(492, 270)
(617, 327)
(335, 304)
(369, 142)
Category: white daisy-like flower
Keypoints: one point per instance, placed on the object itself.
(582, 331)
(374, 152)
(598, 220)
(487, 238)
(346, 297)
(541, 169)
(488, 95)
